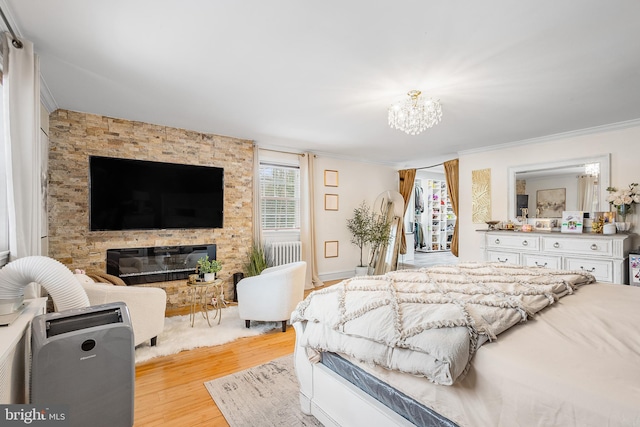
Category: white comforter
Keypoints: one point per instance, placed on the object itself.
(428, 322)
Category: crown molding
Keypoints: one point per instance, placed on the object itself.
(46, 97)
(556, 136)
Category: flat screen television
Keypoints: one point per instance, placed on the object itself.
(129, 194)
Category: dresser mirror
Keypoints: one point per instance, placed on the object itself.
(547, 189)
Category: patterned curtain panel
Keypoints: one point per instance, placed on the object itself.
(451, 174)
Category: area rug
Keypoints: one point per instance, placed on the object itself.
(178, 335)
(266, 395)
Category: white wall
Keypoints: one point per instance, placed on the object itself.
(357, 182)
(622, 143)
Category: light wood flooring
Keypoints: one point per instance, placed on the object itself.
(169, 391)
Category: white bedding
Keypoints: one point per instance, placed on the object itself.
(428, 322)
(575, 364)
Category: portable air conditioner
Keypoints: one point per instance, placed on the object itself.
(84, 359)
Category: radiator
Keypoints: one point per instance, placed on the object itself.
(279, 253)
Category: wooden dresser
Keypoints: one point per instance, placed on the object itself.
(605, 256)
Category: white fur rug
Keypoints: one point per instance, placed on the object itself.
(178, 335)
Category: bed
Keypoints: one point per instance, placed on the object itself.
(574, 361)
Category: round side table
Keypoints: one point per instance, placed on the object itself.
(200, 293)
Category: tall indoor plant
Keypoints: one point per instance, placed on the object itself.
(366, 228)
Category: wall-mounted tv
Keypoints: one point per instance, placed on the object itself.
(129, 194)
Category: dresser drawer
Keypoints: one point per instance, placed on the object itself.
(586, 246)
(532, 260)
(602, 270)
(504, 257)
(511, 241)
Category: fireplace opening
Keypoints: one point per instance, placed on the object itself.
(136, 266)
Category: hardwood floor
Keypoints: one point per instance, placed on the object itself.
(169, 391)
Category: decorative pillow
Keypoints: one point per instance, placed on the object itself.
(83, 278)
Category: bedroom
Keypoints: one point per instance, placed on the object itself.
(558, 121)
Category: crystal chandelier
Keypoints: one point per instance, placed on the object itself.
(592, 169)
(415, 114)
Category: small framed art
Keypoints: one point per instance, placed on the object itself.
(572, 221)
(330, 202)
(330, 178)
(542, 224)
(331, 249)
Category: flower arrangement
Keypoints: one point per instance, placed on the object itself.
(623, 200)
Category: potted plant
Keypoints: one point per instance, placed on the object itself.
(366, 228)
(256, 261)
(208, 268)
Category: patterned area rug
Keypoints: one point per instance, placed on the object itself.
(178, 335)
(266, 395)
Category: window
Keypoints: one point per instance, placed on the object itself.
(280, 197)
(4, 209)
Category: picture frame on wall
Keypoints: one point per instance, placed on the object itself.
(330, 178)
(331, 249)
(330, 202)
(572, 221)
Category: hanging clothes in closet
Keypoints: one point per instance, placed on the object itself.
(419, 199)
(419, 237)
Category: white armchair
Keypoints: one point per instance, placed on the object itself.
(272, 295)
(146, 305)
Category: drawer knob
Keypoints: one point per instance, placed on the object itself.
(541, 265)
(588, 271)
(594, 247)
(497, 242)
(525, 243)
(556, 245)
(503, 260)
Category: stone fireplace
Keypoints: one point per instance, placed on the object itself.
(137, 266)
(75, 136)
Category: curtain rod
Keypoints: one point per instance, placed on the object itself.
(432, 166)
(279, 151)
(15, 42)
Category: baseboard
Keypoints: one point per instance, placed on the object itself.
(338, 275)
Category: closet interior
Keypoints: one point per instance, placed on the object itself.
(429, 219)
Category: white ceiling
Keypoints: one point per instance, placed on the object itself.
(320, 75)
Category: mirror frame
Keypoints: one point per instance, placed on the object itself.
(605, 170)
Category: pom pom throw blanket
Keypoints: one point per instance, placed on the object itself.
(431, 321)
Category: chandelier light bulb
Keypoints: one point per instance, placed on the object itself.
(415, 114)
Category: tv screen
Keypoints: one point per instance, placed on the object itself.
(140, 195)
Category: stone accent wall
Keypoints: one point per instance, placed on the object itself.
(75, 136)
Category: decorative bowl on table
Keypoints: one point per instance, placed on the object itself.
(492, 224)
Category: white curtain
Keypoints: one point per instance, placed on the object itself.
(21, 118)
(257, 208)
(307, 227)
(586, 185)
